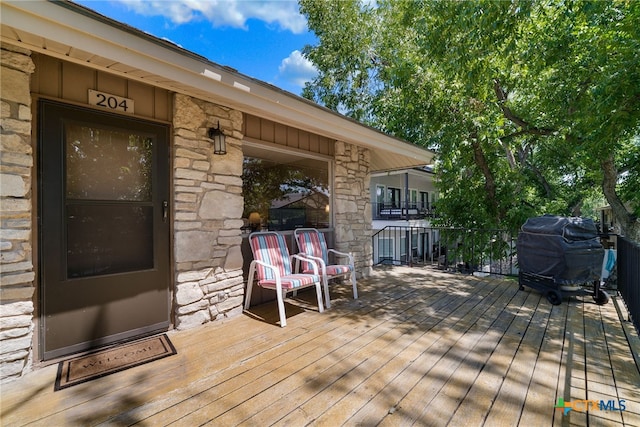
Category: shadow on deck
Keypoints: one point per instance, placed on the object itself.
(419, 347)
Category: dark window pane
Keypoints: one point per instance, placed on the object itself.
(106, 239)
(107, 164)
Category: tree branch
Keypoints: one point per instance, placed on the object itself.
(508, 153)
(629, 224)
(489, 180)
(518, 121)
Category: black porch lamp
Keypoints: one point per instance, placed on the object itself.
(219, 143)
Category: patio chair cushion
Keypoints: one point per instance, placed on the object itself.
(333, 270)
(272, 249)
(312, 242)
(292, 281)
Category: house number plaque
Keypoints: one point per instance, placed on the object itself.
(111, 102)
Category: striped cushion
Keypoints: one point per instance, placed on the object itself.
(311, 242)
(270, 248)
(292, 281)
(334, 270)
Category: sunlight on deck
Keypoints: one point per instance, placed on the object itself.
(418, 347)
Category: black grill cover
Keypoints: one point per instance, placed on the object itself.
(567, 249)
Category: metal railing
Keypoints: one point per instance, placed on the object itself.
(472, 251)
(628, 265)
(491, 252)
(391, 211)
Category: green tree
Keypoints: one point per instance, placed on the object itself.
(533, 107)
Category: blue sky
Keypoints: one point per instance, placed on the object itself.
(262, 39)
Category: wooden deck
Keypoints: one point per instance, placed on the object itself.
(419, 347)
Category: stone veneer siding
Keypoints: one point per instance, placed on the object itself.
(352, 204)
(207, 215)
(207, 211)
(16, 266)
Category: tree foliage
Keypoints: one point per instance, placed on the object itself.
(264, 182)
(533, 107)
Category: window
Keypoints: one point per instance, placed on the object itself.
(424, 200)
(284, 191)
(413, 198)
(393, 197)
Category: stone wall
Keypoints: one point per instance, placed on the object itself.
(206, 212)
(16, 266)
(352, 204)
(208, 207)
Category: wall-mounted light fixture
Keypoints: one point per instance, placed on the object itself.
(219, 143)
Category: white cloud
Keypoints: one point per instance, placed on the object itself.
(296, 69)
(221, 13)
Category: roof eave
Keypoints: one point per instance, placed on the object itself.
(75, 26)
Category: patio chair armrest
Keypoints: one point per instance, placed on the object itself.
(342, 254)
(318, 260)
(309, 259)
(276, 272)
(321, 264)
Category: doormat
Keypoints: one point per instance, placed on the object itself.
(105, 362)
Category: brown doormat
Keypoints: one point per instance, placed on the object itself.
(101, 363)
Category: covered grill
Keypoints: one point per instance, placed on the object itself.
(559, 255)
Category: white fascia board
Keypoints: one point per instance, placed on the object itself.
(63, 25)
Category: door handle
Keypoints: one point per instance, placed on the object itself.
(165, 210)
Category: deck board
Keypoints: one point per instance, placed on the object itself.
(475, 347)
(436, 366)
(600, 379)
(350, 369)
(486, 385)
(507, 407)
(542, 388)
(573, 362)
(391, 361)
(433, 345)
(420, 347)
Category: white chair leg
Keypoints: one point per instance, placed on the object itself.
(353, 281)
(283, 316)
(247, 297)
(319, 295)
(325, 282)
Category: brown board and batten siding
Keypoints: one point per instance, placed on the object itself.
(71, 82)
(260, 129)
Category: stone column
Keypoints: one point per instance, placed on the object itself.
(16, 163)
(352, 204)
(207, 218)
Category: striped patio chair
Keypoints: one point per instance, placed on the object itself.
(271, 267)
(312, 244)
